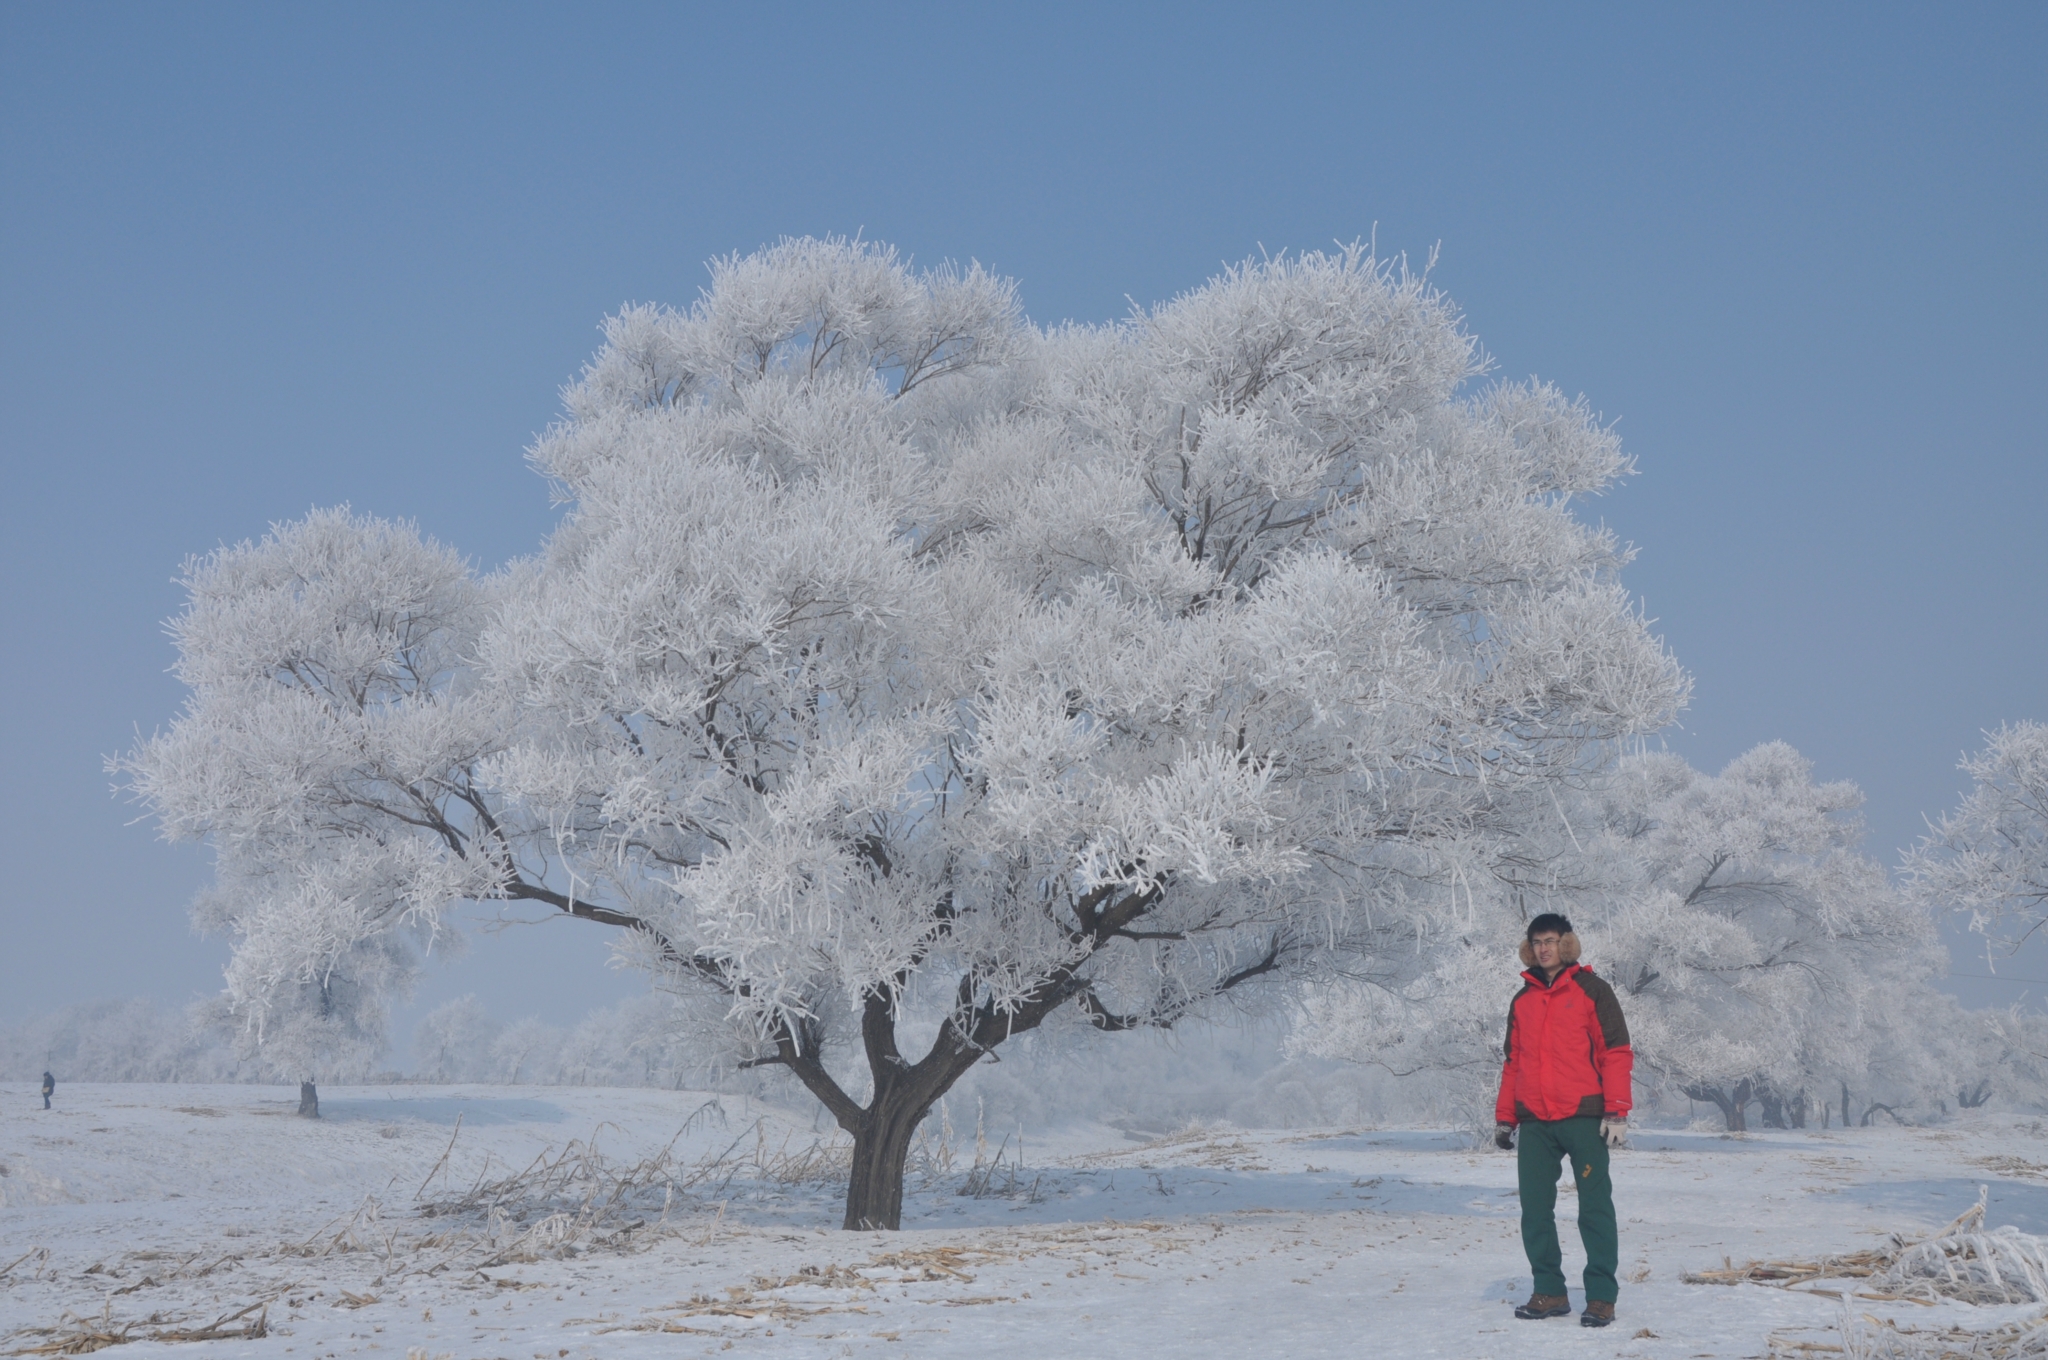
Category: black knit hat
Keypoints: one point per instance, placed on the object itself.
(1548, 923)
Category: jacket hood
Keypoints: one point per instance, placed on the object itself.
(1567, 950)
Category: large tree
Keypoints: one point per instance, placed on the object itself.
(902, 675)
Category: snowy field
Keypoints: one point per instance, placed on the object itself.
(707, 1226)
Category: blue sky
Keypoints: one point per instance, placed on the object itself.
(255, 259)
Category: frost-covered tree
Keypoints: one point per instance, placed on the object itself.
(1437, 1024)
(115, 1041)
(1755, 947)
(328, 754)
(1759, 958)
(2004, 1056)
(456, 1041)
(897, 663)
(527, 1050)
(1990, 855)
(903, 677)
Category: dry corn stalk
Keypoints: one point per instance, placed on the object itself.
(1963, 1261)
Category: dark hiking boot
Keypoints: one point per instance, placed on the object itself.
(1599, 1312)
(1547, 1306)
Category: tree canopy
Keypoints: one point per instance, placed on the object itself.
(903, 676)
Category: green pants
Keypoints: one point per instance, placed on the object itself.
(1540, 1145)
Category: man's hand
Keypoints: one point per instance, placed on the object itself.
(1504, 1137)
(1614, 1128)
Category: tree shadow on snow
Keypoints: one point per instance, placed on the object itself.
(1164, 1193)
(1398, 1140)
(1652, 1140)
(473, 1110)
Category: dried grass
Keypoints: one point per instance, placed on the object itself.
(563, 1203)
(761, 1301)
(579, 1199)
(2012, 1166)
(1963, 1261)
(998, 1179)
(41, 1253)
(81, 1336)
(1873, 1338)
(1968, 1263)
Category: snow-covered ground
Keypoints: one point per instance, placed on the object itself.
(159, 1209)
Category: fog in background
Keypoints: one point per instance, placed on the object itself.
(257, 260)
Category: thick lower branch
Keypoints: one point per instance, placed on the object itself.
(799, 1052)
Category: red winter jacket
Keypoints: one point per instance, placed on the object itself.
(1567, 1050)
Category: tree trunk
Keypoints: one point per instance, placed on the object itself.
(905, 1092)
(1781, 1111)
(1730, 1105)
(881, 1145)
(309, 1101)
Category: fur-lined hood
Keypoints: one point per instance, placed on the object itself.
(1567, 950)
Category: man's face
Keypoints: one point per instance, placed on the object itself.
(1544, 947)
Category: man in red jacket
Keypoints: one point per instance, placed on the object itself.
(1566, 1088)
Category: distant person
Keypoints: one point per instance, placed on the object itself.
(49, 1089)
(1566, 1087)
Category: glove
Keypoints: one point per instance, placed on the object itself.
(1614, 1128)
(1504, 1137)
